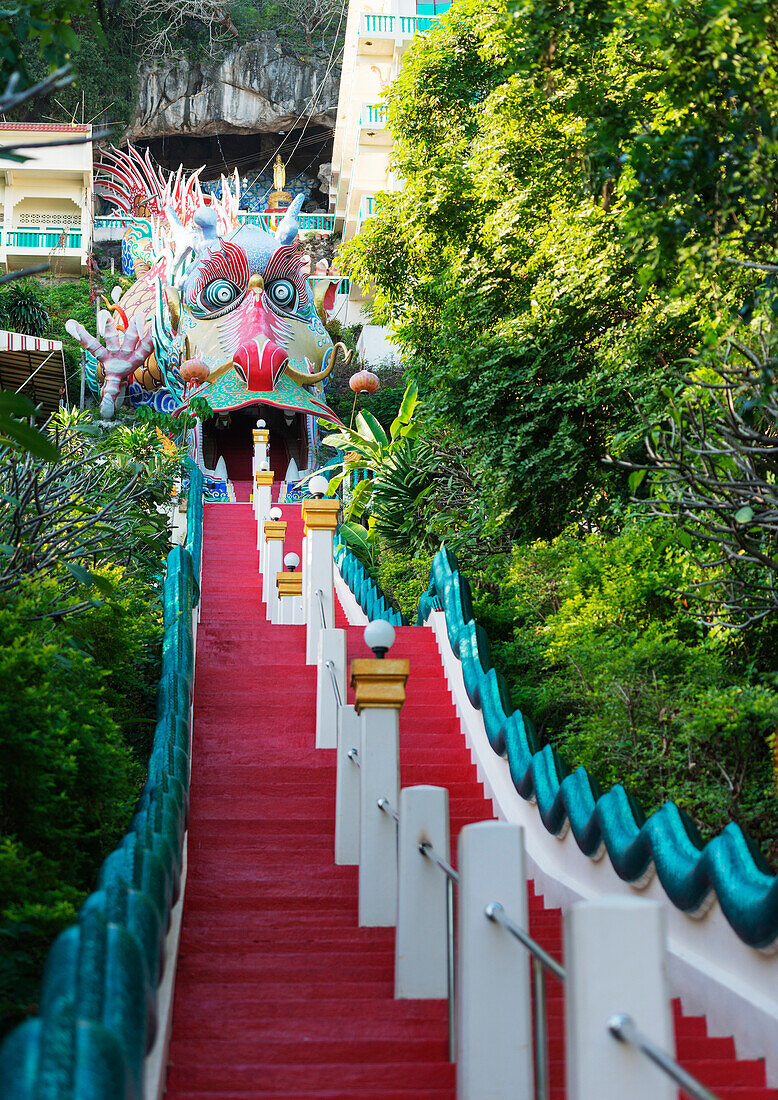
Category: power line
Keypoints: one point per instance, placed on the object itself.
(231, 163)
(327, 73)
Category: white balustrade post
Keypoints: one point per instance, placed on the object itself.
(289, 587)
(263, 487)
(380, 694)
(420, 955)
(615, 963)
(332, 648)
(494, 1020)
(321, 519)
(261, 437)
(306, 571)
(347, 787)
(275, 533)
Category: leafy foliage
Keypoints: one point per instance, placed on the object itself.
(80, 630)
(600, 652)
(576, 185)
(391, 480)
(588, 202)
(75, 714)
(45, 24)
(97, 503)
(21, 310)
(714, 468)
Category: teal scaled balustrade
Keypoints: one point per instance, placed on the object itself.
(366, 592)
(97, 1012)
(728, 866)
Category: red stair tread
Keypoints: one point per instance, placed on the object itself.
(278, 991)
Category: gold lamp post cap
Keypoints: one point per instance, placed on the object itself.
(289, 584)
(321, 515)
(264, 477)
(379, 683)
(275, 529)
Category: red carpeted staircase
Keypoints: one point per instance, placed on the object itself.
(278, 991)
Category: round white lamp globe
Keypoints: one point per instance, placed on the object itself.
(291, 561)
(379, 636)
(276, 513)
(261, 424)
(318, 486)
(264, 465)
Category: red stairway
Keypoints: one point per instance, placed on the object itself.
(278, 991)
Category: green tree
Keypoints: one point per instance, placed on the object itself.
(577, 187)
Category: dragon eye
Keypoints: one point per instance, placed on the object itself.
(219, 294)
(282, 293)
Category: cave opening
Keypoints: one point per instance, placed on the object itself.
(304, 151)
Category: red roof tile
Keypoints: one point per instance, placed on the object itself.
(49, 126)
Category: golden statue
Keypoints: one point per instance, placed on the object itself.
(279, 173)
(278, 198)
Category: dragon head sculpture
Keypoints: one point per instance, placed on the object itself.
(222, 303)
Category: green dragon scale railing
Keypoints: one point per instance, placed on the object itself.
(365, 590)
(97, 1012)
(690, 871)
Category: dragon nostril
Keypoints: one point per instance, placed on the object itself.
(259, 363)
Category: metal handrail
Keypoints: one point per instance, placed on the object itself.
(426, 849)
(623, 1027)
(353, 755)
(495, 912)
(320, 598)
(452, 880)
(386, 807)
(335, 686)
(541, 961)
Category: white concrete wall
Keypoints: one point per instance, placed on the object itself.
(375, 346)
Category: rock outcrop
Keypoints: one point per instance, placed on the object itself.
(261, 87)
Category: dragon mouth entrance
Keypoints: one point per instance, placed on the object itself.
(228, 435)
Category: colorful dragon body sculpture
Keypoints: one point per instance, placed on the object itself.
(218, 308)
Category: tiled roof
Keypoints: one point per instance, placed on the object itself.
(48, 126)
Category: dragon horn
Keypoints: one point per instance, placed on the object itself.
(289, 228)
(303, 379)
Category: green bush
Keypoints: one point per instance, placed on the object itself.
(403, 578)
(77, 703)
(600, 652)
(124, 636)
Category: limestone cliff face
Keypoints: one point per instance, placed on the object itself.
(262, 86)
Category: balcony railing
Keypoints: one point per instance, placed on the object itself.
(343, 287)
(367, 209)
(319, 223)
(374, 114)
(412, 24)
(394, 25)
(44, 238)
(118, 221)
(378, 24)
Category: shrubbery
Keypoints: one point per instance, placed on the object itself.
(583, 242)
(80, 641)
(599, 651)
